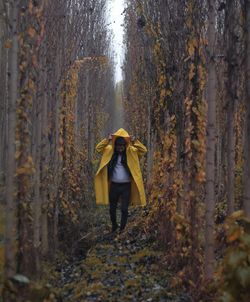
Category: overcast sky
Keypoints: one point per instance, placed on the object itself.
(116, 8)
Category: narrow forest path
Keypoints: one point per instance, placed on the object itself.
(120, 267)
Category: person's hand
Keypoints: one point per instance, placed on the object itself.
(132, 138)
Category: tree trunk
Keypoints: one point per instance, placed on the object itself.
(10, 184)
(210, 149)
(230, 157)
(246, 188)
(37, 185)
(4, 91)
(231, 86)
(44, 163)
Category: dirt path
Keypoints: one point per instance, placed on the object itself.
(123, 267)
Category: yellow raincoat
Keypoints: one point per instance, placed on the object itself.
(101, 177)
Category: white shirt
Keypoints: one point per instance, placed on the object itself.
(120, 174)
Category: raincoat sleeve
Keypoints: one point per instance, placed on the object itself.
(100, 147)
(141, 149)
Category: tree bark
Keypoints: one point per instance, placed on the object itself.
(246, 188)
(44, 163)
(210, 148)
(3, 89)
(231, 86)
(37, 196)
(10, 182)
(230, 157)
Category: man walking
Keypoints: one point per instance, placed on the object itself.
(119, 175)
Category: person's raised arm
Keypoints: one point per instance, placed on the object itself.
(100, 147)
(141, 149)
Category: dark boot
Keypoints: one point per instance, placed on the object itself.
(114, 227)
(124, 218)
(112, 212)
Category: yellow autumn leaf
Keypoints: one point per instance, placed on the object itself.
(172, 118)
(234, 235)
(17, 154)
(39, 11)
(30, 7)
(191, 72)
(236, 215)
(189, 23)
(25, 170)
(178, 227)
(201, 176)
(192, 44)
(31, 85)
(8, 43)
(195, 143)
(162, 80)
(168, 93)
(163, 93)
(191, 283)
(34, 61)
(60, 150)
(31, 31)
(30, 159)
(191, 194)
(22, 67)
(178, 218)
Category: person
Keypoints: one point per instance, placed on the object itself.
(119, 175)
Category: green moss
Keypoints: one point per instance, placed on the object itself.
(144, 253)
(132, 282)
(93, 261)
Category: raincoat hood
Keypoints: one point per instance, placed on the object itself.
(121, 133)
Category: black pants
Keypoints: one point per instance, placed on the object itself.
(123, 191)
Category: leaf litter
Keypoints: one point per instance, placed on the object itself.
(117, 267)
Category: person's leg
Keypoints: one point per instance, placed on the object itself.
(125, 199)
(113, 199)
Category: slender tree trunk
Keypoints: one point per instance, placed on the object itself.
(3, 89)
(150, 151)
(210, 155)
(25, 162)
(230, 157)
(37, 185)
(246, 189)
(57, 163)
(231, 87)
(44, 165)
(10, 183)
(218, 178)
